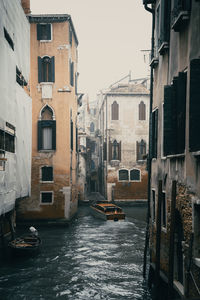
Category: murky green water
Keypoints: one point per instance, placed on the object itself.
(90, 259)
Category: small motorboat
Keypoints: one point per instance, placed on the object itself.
(107, 211)
(26, 245)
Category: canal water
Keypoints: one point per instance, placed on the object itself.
(88, 260)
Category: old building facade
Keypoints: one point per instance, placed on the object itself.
(15, 112)
(123, 124)
(53, 88)
(174, 189)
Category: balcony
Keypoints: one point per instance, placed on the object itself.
(180, 16)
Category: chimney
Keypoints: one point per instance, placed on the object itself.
(26, 6)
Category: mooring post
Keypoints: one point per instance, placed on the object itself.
(171, 242)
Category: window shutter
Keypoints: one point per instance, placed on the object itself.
(181, 110)
(39, 69)
(137, 150)
(119, 151)
(104, 151)
(154, 133)
(72, 74)
(53, 134)
(76, 139)
(194, 123)
(110, 151)
(48, 28)
(169, 126)
(39, 135)
(38, 32)
(71, 135)
(52, 63)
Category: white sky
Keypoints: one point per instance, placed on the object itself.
(111, 35)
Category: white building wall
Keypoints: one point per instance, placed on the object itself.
(15, 104)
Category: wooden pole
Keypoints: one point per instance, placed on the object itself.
(171, 242)
(158, 239)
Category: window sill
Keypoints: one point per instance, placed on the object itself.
(196, 153)
(46, 82)
(181, 155)
(197, 261)
(46, 181)
(45, 41)
(154, 62)
(180, 20)
(163, 48)
(47, 151)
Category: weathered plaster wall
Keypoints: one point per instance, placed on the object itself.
(15, 103)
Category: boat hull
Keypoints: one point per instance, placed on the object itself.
(101, 211)
(25, 246)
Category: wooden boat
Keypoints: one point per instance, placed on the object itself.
(107, 211)
(27, 244)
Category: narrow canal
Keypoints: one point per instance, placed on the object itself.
(91, 259)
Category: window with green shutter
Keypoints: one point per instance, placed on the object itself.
(44, 32)
(154, 134)
(194, 106)
(46, 69)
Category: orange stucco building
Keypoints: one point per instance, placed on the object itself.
(53, 88)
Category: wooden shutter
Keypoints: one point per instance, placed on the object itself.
(76, 139)
(72, 135)
(137, 150)
(194, 122)
(154, 133)
(104, 151)
(72, 73)
(169, 138)
(52, 67)
(39, 69)
(119, 144)
(39, 135)
(38, 32)
(110, 151)
(48, 28)
(53, 122)
(181, 111)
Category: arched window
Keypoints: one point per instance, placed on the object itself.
(46, 72)
(92, 127)
(123, 175)
(46, 130)
(141, 150)
(135, 175)
(115, 111)
(115, 150)
(142, 111)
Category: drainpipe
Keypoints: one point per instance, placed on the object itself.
(150, 142)
(106, 147)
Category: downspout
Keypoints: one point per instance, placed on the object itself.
(107, 148)
(150, 144)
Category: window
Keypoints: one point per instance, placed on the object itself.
(19, 78)
(115, 150)
(163, 210)
(72, 73)
(180, 14)
(8, 39)
(123, 175)
(47, 173)
(92, 165)
(174, 116)
(46, 197)
(92, 127)
(43, 32)
(7, 138)
(135, 175)
(93, 146)
(194, 122)
(104, 151)
(153, 201)
(154, 136)
(46, 69)
(70, 35)
(47, 130)
(196, 230)
(142, 111)
(115, 111)
(141, 149)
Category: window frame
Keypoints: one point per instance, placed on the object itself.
(121, 180)
(115, 111)
(52, 198)
(164, 211)
(49, 75)
(142, 111)
(41, 175)
(133, 180)
(39, 34)
(42, 124)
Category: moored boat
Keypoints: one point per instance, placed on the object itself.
(107, 211)
(26, 245)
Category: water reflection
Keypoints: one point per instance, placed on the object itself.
(90, 259)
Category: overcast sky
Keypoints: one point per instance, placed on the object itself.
(111, 35)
